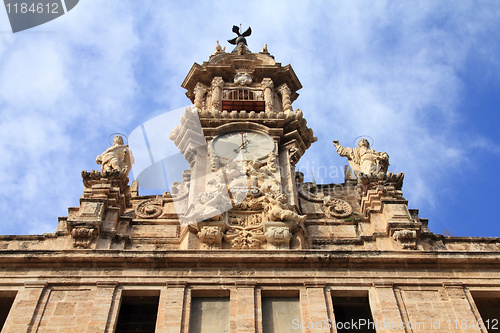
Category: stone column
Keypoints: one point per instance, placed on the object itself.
(314, 309)
(385, 308)
(22, 314)
(244, 302)
(217, 85)
(199, 90)
(101, 310)
(286, 97)
(268, 86)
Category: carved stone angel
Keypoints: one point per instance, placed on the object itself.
(278, 209)
(117, 157)
(363, 159)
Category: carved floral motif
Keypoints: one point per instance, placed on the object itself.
(243, 238)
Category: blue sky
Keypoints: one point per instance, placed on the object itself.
(422, 78)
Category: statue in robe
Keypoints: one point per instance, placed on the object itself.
(117, 157)
(363, 159)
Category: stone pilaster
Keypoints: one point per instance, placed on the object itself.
(244, 301)
(314, 299)
(26, 309)
(101, 310)
(385, 308)
(172, 309)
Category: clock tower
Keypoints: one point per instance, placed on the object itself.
(242, 139)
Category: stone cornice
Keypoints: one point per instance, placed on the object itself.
(286, 258)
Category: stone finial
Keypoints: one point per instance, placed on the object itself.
(219, 49)
(117, 157)
(363, 159)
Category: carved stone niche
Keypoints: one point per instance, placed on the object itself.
(278, 235)
(406, 237)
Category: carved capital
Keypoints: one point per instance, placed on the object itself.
(217, 82)
(267, 83)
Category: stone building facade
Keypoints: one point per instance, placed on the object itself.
(243, 244)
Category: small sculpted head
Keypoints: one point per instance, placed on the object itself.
(363, 143)
(118, 140)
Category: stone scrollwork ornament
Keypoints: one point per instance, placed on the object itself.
(149, 209)
(336, 208)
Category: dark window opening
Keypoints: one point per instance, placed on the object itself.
(5, 305)
(137, 314)
(489, 309)
(348, 310)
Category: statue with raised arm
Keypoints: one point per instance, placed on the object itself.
(363, 159)
(117, 157)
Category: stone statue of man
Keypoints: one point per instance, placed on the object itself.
(363, 159)
(117, 157)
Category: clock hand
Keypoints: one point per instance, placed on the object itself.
(242, 146)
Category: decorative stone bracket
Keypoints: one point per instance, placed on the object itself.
(84, 235)
(278, 235)
(211, 236)
(406, 237)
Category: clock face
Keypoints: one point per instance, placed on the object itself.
(243, 145)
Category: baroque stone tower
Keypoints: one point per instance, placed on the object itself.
(242, 140)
